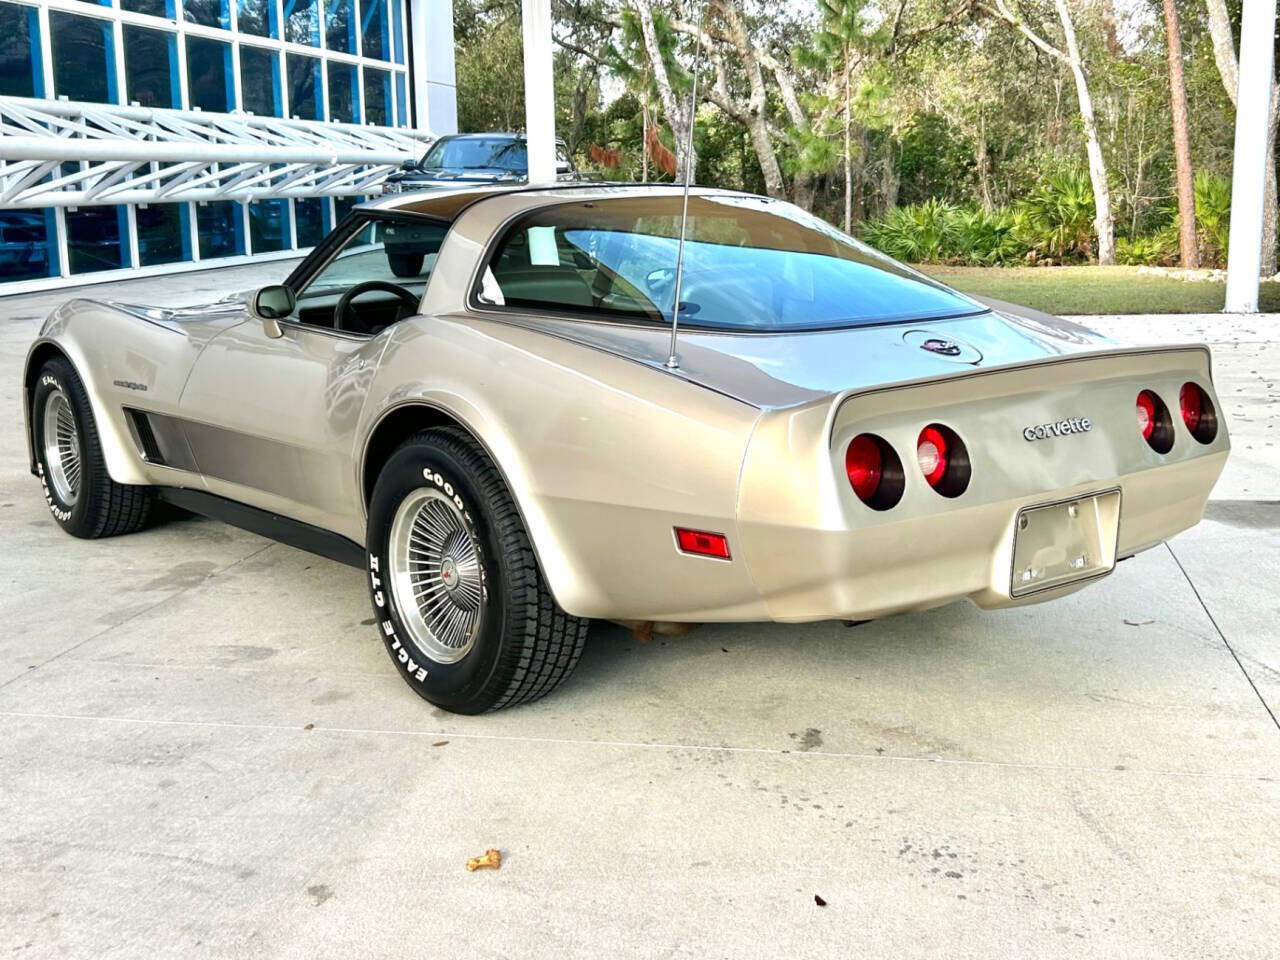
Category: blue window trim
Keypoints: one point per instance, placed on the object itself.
(122, 229)
(175, 81)
(397, 31)
(51, 242)
(229, 78)
(37, 55)
(109, 43)
(277, 87)
(184, 225)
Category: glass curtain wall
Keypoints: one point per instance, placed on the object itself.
(338, 60)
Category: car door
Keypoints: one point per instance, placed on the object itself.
(271, 419)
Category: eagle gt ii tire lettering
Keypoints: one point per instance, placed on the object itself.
(457, 595)
(81, 495)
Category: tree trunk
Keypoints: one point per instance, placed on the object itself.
(848, 156)
(644, 136)
(1109, 28)
(889, 180)
(1224, 47)
(983, 163)
(1187, 242)
(1103, 221)
(756, 116)
(860, 175)
(1269, 237)
(804, 184)
(681, 121)
(802, 190)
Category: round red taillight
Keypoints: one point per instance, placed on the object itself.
(1146, 410)
(874, 471)
(1198, 412)
(1189, 400)
(931, 453)
(1154, 422)
(943, 459)
(864, 464)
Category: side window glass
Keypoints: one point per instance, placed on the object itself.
(399, 251)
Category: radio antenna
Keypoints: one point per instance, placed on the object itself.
(673, 362)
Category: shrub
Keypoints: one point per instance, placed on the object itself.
(937, 232)
(1056, 218)
(919, 234)
(1152, 249)
(1213, 217)
(984, 239)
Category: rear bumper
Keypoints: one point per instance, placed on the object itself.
(814, 550)
(926, 561)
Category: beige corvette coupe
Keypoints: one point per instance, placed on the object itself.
(474, 395)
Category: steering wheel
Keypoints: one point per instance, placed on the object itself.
(343, 308)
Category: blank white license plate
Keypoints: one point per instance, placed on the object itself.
(1059, 543)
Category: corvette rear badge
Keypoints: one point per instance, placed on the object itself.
(1059, 428)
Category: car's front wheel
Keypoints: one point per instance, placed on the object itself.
(82, 497)
(459, 599)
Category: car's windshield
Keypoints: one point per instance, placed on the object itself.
(477, 153)
(750, 263)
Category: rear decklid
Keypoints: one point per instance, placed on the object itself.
(772, 370)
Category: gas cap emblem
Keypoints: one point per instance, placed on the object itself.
(944, 348)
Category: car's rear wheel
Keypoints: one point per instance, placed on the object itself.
(460, 602)
(82, 497)
(405, 264)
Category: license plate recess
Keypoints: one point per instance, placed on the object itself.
(1065, 541)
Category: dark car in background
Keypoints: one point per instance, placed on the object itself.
(474, 158)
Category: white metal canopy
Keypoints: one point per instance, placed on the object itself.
(140, 155)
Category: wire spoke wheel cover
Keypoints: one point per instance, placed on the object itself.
(437, 575)
(61, 441)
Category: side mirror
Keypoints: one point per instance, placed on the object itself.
(271, 304)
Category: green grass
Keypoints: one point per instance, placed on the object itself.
(1086, 290)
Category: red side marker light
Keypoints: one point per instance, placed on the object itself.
(702, 543)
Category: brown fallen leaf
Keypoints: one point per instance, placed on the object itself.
(819, 901)
(440, 743)
(491, 860)
(309, 726)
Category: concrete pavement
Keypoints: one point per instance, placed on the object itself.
(205, 752)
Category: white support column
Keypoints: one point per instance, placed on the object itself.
(539, 90)
(435, 102)
(1248, 182)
